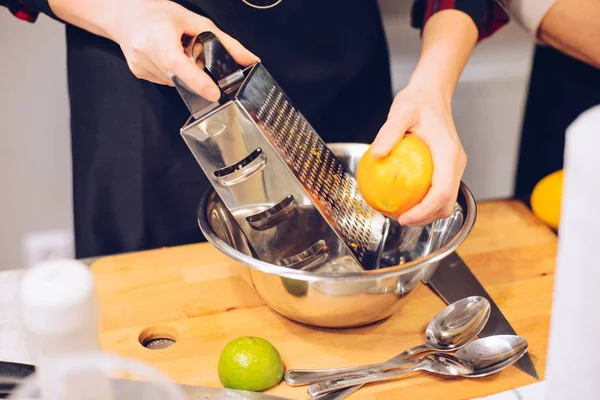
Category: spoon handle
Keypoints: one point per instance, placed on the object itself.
(337, 395)
(320, 388)
(413, 351)
(298, 377)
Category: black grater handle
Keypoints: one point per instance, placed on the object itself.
(210, 55)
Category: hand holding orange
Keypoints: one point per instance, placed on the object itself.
(399, 181)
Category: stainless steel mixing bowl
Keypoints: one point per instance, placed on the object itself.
(339, 296)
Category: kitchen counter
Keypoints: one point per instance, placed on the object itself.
(193, 294)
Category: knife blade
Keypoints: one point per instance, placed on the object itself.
(12, 373)
(201, 393)
(453, 280)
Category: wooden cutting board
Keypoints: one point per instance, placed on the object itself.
(194, 294)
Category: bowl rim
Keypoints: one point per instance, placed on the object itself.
(435, 256)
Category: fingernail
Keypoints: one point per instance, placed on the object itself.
(378, 150)
(408, 221)
(212, 93)
(380, 153)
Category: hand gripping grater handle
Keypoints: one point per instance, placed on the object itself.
(211, 56)
(324, 181)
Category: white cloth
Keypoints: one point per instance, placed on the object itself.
(529, 13)
(570, 372)
(535, 391)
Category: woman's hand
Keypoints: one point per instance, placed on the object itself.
(425, 113)
(424, 108)
(150, 33)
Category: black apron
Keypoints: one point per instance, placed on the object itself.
(136, 185)
(560, 89)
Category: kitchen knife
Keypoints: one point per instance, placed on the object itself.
(202, 393)
(453, 280)
(16, 372)
(11, 372)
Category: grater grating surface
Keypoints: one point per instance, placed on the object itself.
(332, 189)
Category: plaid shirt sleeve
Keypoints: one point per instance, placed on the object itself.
(19, 10)
(28, 10)
(488, 15)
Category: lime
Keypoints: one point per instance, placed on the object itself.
(250, 363)
(295, 287)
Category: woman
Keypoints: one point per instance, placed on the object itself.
(565, 81)
(136, 184)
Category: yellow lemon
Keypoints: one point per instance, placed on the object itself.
(546, 198)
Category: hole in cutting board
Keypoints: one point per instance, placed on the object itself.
(158, 337)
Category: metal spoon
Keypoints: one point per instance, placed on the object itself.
(479, 358)
(338, 394)
(455, 326)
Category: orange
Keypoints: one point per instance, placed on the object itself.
(396, 183)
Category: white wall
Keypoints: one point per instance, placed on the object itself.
(35, 160)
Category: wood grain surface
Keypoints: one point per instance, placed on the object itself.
(195, 293)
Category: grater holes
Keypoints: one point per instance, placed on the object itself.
(317, 170)
(268, 99)
(324, 179)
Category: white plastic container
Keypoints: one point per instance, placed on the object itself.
(60, 313)
(572, 371)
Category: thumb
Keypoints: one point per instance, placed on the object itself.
(195, 24)
(390, 134)
(240, 54)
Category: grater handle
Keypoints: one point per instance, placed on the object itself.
(210, 55)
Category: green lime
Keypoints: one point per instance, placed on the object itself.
(250, 363)
(295, 287)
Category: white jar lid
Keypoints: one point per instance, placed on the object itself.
(58, 297)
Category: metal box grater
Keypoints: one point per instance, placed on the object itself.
(291, 197)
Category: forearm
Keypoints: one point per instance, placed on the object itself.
(571, 26)
(95, 16)
(91, 15)
(448, 40)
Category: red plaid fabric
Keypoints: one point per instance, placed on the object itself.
(489, 15)
(19, 10)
